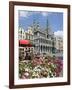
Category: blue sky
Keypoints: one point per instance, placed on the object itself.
(55, 19)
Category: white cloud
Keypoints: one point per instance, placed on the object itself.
(24, 14)
(27, 14)
(58, 33)
(44, 14)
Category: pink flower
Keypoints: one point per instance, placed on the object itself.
(37, 61)
(25, 75)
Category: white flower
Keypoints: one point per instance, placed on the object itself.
(27, 69)
(26, 74)
(37, 68)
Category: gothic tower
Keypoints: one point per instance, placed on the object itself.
(47, 28)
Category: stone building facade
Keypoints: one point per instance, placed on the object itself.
(43, 38)
(59, 44)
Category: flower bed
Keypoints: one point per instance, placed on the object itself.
(41, 68)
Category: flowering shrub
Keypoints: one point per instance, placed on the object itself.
(41, 68)
(37, 61)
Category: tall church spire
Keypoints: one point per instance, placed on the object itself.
(34, 24)
(47, 26)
